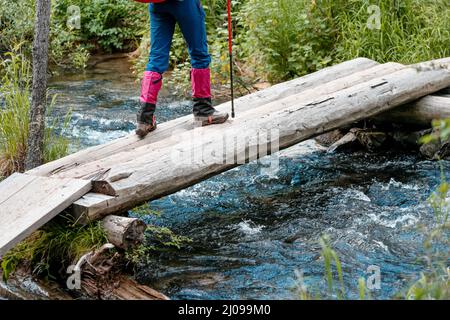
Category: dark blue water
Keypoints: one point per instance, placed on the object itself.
(253, 233)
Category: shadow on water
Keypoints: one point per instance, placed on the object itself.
(250, 231)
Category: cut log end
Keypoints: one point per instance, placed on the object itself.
(124, 232)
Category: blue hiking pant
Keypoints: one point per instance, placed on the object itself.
(190, 16)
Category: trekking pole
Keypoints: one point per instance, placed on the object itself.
(230, 50)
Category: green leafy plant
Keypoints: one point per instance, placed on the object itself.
(105, 26)
(287, 38)
(157, 238)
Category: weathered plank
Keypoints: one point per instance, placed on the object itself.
(170, 168)
(243, 104)
(28, 202)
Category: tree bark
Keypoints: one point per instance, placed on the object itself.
(38, 98)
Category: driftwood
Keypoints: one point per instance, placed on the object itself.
(165, 167)
(122, 288)
(124, 232)
(102, 278)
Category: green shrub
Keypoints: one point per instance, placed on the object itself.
(106, 26)
(287, 38)
(283, 39)
(109, 25)
(16, 24)
(411, 30)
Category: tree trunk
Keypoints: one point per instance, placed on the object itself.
(38, 98)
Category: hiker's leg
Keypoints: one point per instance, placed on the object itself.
(191, 19)
(162, 26)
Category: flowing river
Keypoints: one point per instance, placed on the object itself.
(254, 233)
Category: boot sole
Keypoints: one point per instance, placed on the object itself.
(143, 133)
(205, 120)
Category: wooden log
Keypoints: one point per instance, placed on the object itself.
(174, 167)
(243, 104)
(420, 113)
(124, 232)
(348, 139)
(102, 278)
(96, 170)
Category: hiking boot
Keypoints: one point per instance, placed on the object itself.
(205, 114)
(146, 120)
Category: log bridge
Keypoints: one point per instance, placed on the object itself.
(114, 177)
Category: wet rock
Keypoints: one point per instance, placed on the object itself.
(22, 286)
(436, 149)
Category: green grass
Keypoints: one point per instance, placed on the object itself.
(15, 91)
(49, 251)
(283, 39)
(411, 30)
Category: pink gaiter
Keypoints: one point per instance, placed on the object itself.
(201, 83)
(151, 84)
